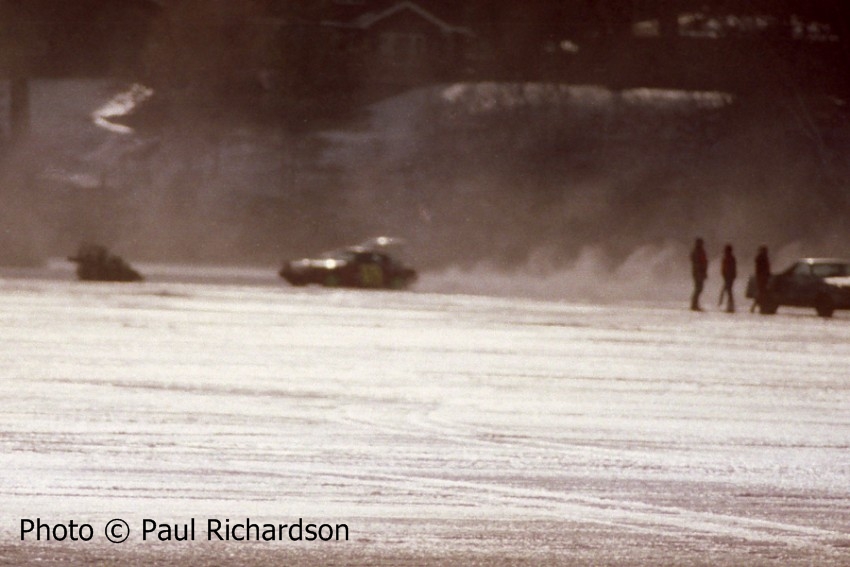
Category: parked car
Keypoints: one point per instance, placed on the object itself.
(95, 263)
(355, 266)
(821, 283)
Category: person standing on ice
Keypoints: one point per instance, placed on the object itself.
(699, 270)
(762, 277)
(729, 271)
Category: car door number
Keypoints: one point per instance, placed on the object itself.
(371, 275)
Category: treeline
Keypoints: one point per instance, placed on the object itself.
(217, 40)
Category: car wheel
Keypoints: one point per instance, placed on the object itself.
(768, 307)
(824, 306)
(331, 280)
(292, 279)
(397, 282)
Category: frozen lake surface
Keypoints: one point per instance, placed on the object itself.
(440, 429)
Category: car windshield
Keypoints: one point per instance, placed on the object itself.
(343, 255)
(830, 270)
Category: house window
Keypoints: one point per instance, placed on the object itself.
(402, 47)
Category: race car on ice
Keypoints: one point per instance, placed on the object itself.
(355, 266)
(821, 283)
(96, 263)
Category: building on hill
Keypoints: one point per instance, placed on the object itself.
(398, 42)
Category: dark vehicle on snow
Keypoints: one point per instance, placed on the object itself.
(95, 263)
(821, 283)
(355, 266)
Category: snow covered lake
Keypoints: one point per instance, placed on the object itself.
(440, 429)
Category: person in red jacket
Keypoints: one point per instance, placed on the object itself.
(729, 271)
(699, 270)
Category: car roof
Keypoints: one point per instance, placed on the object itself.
(365, 250)
(824, 261)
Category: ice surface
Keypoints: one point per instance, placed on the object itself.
(429, 423)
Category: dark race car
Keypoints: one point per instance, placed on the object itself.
(821, 283)
(356, 266)
(95, 263)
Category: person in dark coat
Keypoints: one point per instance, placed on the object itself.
(729, 271)
(699, 270)
(762, 277)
